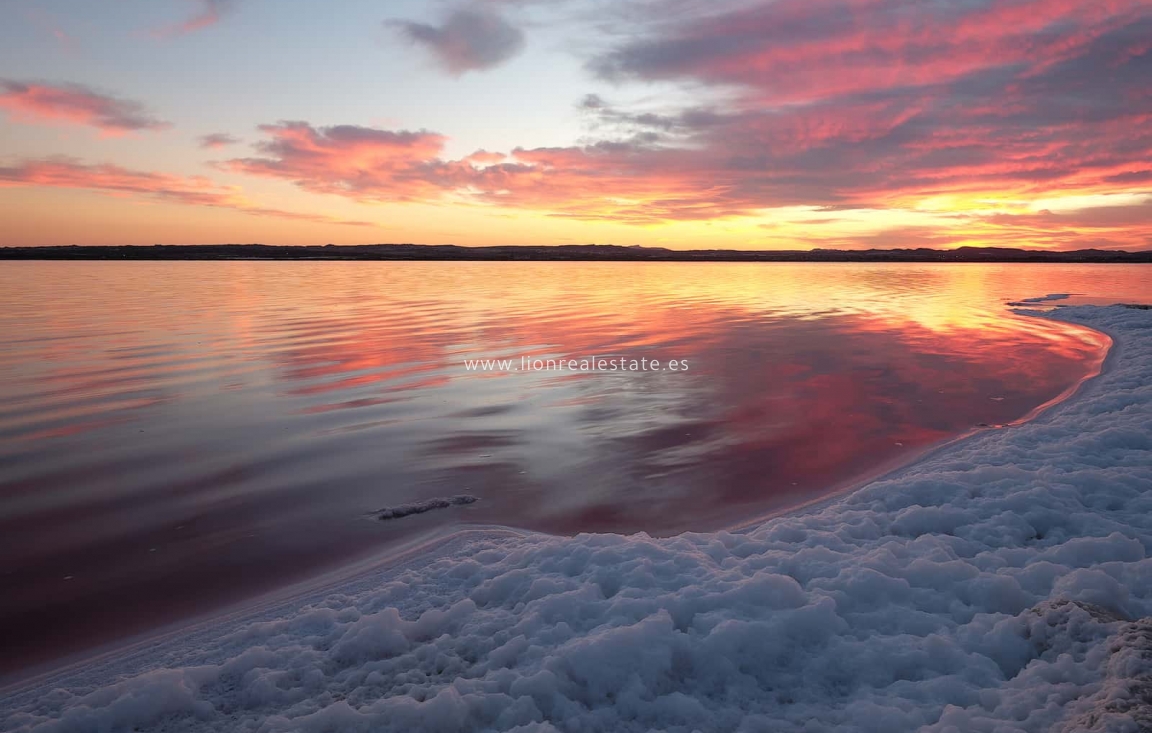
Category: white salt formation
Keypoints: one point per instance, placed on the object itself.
(999, 585)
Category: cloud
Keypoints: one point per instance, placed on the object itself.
(34, 102)
(208, 14)
(217, 140)
(802, 50)
(886, 103)
(484, 157)
(606, 180)
(357, 162)
(50, 24)
(62, 172)
(907, 107)
(636, 183)
(1105, 226)
(469, 39)
(876, 105)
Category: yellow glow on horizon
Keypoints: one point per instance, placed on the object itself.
(945, 221)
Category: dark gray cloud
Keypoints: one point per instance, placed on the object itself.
(667, 125)
(217, 140)
(469, 39)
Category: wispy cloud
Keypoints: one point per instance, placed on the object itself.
(217, 140)
(33, 102)
(62, 172)
(469, 39)
(50, 24)
(207, 14)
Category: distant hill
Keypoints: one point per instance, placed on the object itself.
(575, 252)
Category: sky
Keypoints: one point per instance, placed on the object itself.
(743, 124)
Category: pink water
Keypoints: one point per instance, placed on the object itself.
(174, 436)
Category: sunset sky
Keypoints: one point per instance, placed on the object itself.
(767, 124)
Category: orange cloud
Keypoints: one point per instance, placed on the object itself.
(75, 104)
(114, 180)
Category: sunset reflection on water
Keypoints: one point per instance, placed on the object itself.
(184, 434)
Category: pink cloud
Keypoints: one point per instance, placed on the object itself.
(618, 181)
(31, 102)
(484, 157)
(115, 180)
(208, 14)
(358, 162)
(792, 51)
(835, 103)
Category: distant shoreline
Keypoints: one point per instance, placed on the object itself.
(573, 252)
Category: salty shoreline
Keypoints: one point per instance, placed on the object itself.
(428, 544)
(929, 518)
(894, 469)
(265, 447)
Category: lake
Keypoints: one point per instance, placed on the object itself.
(178, 436)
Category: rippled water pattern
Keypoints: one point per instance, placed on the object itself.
(177, 435)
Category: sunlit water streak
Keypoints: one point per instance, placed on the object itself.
(178, 435)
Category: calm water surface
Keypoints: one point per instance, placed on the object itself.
(174, 436)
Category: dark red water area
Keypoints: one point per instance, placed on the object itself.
(178, 436)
